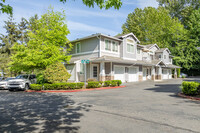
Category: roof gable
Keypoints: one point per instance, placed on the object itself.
(126, 35)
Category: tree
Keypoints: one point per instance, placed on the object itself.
(7, 41)
(5, 8)
(101, 3)
(56, 73)
(181, 9)
(153, 25)
(47, 39)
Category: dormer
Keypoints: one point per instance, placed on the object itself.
(164, 55)
(129, 47)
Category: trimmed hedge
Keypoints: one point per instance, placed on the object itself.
(112, 83)
(191, 88)
(57, 86)
(93, 84)
(36, 87)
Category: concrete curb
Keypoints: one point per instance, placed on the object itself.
(188, 97)
(79, 90)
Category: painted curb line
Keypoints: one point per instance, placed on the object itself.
(60, 91)
(188, 97)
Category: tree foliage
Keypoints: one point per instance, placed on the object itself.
(5, 8)
(47, 39)
(56, 73)
(153, 25)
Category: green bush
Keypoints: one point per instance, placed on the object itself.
(41, 79)
(36, 87)
(107, 83)
(113, 83)
(56, 73)
(178, 72)
(72, 86)
(93, 84)
(50, 86)
(79, 85)
(119, 82)
(190, 88)
(101, 82)
(61, 86)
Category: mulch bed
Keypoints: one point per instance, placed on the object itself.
(189, 97)
(78, 90)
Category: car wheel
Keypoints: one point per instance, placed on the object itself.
(26, 86)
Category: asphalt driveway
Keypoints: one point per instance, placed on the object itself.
(140, 107)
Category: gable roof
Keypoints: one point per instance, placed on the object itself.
(96, 35)
(125, 35)
(162, 49)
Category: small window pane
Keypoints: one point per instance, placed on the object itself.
(78, 50)
(108, 45)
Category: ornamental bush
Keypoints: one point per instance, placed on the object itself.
(93, 84)
(190, 88)
(56, 73)
(79, 85)
(36, 87)
(113, 83)
(107, 83)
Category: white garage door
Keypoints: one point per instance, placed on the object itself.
(133, 74)
(119, 73)
(165, 74)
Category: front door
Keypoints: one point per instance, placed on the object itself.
(95, 71)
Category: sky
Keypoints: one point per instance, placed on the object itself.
(81, 20)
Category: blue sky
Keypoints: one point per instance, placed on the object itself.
(81, 20)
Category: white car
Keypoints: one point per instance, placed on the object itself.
(4, 83)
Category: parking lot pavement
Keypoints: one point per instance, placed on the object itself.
(140, 107)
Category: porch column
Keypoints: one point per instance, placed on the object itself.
(153, 73)
(160, 73)
(175, 73)
(77, 71)
(102, 76)
(112, 72)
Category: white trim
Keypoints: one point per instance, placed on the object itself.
(111, 46)
(89, 52)
(97, 71)
(79, 47)
(132, 35)
(125, 58)
(100, 46)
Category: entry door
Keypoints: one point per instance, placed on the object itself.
(95, 71)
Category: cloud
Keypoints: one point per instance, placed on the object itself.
(76, 26)
(141, 3)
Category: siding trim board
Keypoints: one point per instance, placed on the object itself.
(89, 52)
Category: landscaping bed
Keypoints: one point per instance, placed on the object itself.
(190, 90)
(75, 87)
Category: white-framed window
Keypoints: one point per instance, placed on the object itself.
(159, 56)
(78, 47)
(138, 50)
(108, 45)
(130, 48)
(114, 46)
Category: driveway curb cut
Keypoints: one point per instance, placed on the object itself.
(60, 91)
(188, 97)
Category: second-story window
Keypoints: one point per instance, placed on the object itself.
(108, 45)
(78, 47)
(160, 57)
(130, 48)
(114, 47)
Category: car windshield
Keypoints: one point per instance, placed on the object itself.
(9, 79)
(22, 77)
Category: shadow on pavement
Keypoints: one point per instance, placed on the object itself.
(169, 88)
(38, 112)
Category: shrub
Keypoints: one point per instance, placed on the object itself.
(101, 82)
(50, 86)
(113, 83)
(36, 87)
(79, 85)
(93, 84)
(107, 83)
(183, 76)
(56, 73)
(119, 82)
(190, 88)
(61, 86)
(41, 79)
(91, 80)
(71, 85)
(178, 72)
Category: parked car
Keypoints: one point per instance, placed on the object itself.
(21, 82)
(183, 75)
(4, 83)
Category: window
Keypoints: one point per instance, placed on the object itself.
(78, 47)
(138, 50)
(164, 56)
(108, 45)
(130, 48)
(114, 47)
(159, 57)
